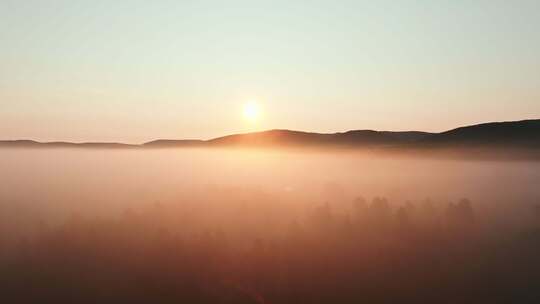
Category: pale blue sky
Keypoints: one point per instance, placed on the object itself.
(138, 70)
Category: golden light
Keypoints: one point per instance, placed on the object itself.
(251, 111)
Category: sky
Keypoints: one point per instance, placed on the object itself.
(134, 71)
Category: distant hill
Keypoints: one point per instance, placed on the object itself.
(171, 143)
(517, 134)
(290, 138)
(356, 138)
(61, 144)
(488, 138)
(19, 143)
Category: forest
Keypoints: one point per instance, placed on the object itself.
(366, 251)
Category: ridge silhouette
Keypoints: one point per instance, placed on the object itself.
(501, 136)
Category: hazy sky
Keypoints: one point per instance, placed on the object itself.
(139, 70)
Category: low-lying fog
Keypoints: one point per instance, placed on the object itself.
(253, 226)
(48, 184)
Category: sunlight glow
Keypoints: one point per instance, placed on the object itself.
(251, 111)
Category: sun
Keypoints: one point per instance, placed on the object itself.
(251, 111)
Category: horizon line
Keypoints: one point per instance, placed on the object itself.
(62, 142)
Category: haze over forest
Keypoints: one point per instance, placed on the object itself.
(258, 226)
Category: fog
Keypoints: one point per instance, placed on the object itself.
(59, 182)
(253, 198)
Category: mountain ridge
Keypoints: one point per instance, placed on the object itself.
(507, 134)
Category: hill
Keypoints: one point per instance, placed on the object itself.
(516, 134)
(288, 138)
(483, 140)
